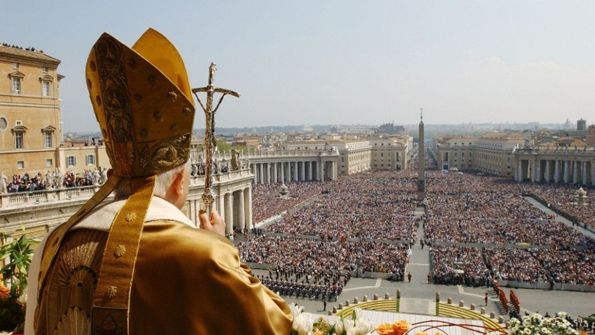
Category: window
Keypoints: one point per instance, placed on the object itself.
(16, 85)
(20, 164)
(70, 161)
(49, 163)
(47, 139)
(45, 88)
(90, 160)
(45, 69)
(18, 140)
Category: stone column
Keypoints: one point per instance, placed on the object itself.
(269, 173)
(302, 171)
(322, 166)
(288, 172)
(519, 168)
(334, 171)
(261, 173)
(557, 171)
(282, 172)
(241, 210)
(248, 207)
(566, 171)
(592, 173)
(575, 172)
(296, 171)
(310, 170)
(228, 214)
(546, 177)
(538, 170)
(221, 205)
(275, 173)
(584, 172)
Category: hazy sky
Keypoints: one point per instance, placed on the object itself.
(327, 62)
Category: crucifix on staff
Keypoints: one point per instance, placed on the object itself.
(207, 198)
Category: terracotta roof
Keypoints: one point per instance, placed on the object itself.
(22, 53)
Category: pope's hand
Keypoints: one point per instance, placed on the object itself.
(215, 224)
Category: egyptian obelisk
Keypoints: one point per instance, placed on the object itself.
(421, 161)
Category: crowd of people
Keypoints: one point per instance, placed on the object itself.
(51, 180)
(267, 202)
(321, 284)
(467, 213)
(563, 198)
(354, 225)
(479, 228)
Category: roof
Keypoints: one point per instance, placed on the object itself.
(28, 54)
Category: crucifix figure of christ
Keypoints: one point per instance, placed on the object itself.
(207, 198)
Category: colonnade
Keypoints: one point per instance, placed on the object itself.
(293, 171)
(567, 171)
(235, 207)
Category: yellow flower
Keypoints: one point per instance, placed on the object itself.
(384, 329)
(401, 327)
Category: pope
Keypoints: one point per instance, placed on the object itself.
(137, 265)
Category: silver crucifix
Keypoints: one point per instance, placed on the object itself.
(207, 198)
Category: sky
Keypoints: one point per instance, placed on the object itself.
(341, 61)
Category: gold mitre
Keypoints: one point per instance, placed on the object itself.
(143, 103)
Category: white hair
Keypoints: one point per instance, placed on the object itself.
(162, 182)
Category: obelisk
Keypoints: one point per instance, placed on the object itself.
(421, 160)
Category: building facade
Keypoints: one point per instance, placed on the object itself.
(359, 155)
(30, 116)
(31, 133)
(510, 155)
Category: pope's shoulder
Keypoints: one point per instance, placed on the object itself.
(168, 238)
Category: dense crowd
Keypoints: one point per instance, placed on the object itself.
(466, 213)
(496, 217)
(561, 197)
(355, 225)
(51, 180)
(266, 201)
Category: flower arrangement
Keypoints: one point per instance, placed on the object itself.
(308, 324)
(539, 325)
(13, 283)
(402, 327)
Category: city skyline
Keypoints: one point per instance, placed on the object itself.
(346, 62)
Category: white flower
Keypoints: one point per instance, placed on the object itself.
(295, 309)
(343, 326)
(362, 327)
(302, 324)
(527, 331)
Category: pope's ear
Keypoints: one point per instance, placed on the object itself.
(179, 181)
